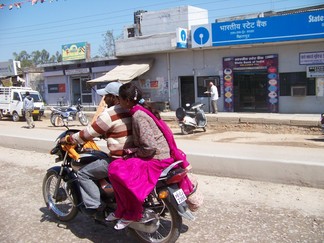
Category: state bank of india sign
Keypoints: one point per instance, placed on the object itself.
(299, 26)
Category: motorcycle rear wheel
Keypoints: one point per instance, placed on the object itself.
(169, 229)
(83, 120)
(62, 207)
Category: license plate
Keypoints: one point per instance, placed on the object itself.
(179, 196)
(36, 112)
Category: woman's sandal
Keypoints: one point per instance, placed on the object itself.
(122, 224)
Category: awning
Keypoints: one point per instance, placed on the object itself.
(125, 72)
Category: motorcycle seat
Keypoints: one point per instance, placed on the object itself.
(65, 109)
(62, 109)
(191, 114)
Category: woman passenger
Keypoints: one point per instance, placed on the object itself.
(135, 176)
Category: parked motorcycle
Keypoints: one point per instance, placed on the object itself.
(192, 119)
(61, 116)
(164, 206)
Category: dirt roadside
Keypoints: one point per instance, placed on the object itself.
(261, 134)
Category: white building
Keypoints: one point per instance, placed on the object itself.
(268, 62)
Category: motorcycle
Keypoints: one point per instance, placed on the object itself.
(192, 119)
(60, 116)
(164, 207)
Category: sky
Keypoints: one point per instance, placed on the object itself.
(53, 23)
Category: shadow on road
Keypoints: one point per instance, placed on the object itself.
(85, 227)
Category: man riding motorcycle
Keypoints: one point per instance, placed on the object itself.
(114, 125)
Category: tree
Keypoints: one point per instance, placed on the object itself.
(58, 57)
(40, 57)
(108, 47)
(24, 59)
(36, 58)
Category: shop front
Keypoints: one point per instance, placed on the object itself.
(81, 90)
(251, 83)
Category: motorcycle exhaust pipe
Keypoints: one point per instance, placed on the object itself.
(148, 224)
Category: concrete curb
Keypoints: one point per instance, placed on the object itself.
(304, 120)
(277, 171)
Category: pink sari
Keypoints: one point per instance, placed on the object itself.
(133, 179)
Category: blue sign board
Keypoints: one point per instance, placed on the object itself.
(182, 39)
(299, 26)
(201, 36)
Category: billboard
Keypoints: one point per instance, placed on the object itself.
(75, 51)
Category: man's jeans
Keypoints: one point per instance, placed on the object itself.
(89, 189)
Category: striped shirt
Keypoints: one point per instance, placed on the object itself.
(115, 125)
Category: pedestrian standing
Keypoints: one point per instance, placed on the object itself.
(213, 92)
(28, 109)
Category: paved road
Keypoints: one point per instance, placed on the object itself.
(246, 157)
(234, 210)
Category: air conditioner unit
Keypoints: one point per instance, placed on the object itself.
(298, 91)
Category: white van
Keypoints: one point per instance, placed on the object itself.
(11, 102)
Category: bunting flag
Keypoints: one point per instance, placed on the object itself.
(19, 4)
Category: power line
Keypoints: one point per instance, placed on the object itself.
(92, 15)
(93, 27)
(95, 20)
(89, 35)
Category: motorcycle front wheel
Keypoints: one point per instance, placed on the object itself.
(52, 118)
(83, 119)
(57, 120)
(169, 227)
(61, 205)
